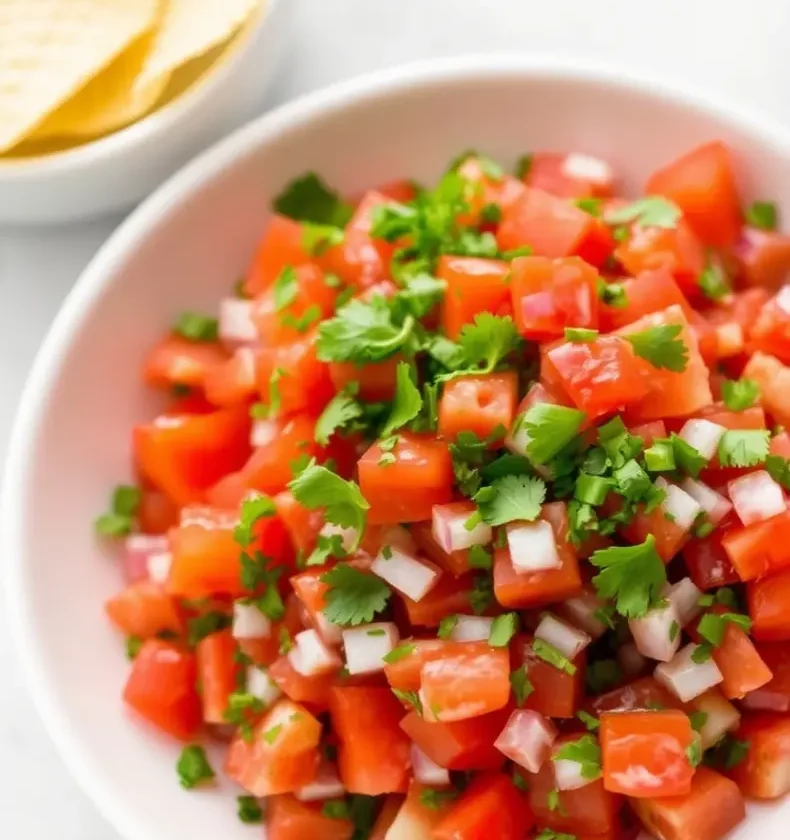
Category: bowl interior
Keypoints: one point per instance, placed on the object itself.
(185, 248)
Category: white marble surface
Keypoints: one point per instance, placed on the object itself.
(734, 48)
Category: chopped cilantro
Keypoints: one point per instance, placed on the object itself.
(713, 280)
(193, 767)
(521, 685)
(613, 294)
(318, 239)
(133, 645)
(633, 575)
(286, 288)
(434, 799)
(248, 809)
(651, 211)
(580, 336)
(512, 498)
(446, 626)
(335, 809)
(550, 429)
(308, 199)
(252, 510)
(339, 411)
(548, 653)
(779, 470)
(482, 595)
(740, 394)
(728, 753)
(204, 625)
(503, 628)
(119, 521)
(523, 166)
(407, 403)
(480, 557)
(196, 327)
(694, 753)
(585, 752)
(762, 215)
(661, 347)
(400, 652)
(743, 447)
(590, 721)
(698, 720)
(660, 457)
(485, 343)
(353, 597)
(713, 625)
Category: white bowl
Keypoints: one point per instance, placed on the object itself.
(116, 171)
(183, 248)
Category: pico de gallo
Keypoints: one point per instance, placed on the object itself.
(466, 517)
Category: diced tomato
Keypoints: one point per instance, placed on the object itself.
(765, 772)
(550, 295)
(466, 683)
(644, 753)
(454, 562)
(588, 810)
(157, 512)
(676, 250)
(218, 673)
(302, 524)
(709, 811)
(483, 405)
(145, 609)
(162, 688)
(282, 244)
(374, 753)
(474, 285)
(184, 454)
(672, 394)
(758, 549)
(707, 561)
(406, 490)
(599, 376)
(549, 171)
(486, 188)
(178, 361)
(376, 381)
(769, 607)
(702, 184)
(774, 696)
(640, 695)
(405, 673)
(651, 291)
(403, 190)
(282, 754)
(535, 589)
(266, 650)
(449, 596)
(774, 380)
(292, 377)
(763, 257)
(490, 807)
(314, 692)
(416, 820)
(555, 693)
(770, 331)
(669, 536)
(289, 819)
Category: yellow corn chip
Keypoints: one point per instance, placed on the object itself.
(108, 102)
(190, 29)
(50, 49)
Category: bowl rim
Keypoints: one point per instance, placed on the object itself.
(84, 156)
(80, 301)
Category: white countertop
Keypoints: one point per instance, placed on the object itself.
(727, 46)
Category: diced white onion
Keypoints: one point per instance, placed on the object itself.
(568, 774)
(588, 168)
(685, 678)
(581, 611)
(630, 659)
(450, 531)
(426, 771)
(349, 536)
(532, 547)
(715, 505)
(262, 686)
(471, 628)
(235, 321)
(403, 571)
(159, 566)
(682, 508)
(657, 634)
(330, 632)
(263, 432)
(722, 717)
(399, 537)
(527, 739)
(367, 645)
(249, 622)
(756, 497)
(684, 596)
(310, 656)
(703, 435)
(137, 552)
(326, 785)
(569, 641)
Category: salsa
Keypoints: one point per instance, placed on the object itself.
(466, 516)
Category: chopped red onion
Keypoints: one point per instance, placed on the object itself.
(527, 739)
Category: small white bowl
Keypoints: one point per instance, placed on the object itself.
(184, 247)
(118, 170)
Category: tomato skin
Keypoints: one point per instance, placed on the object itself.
(376, 380)
(374, 755)
(313, 692)
(599, 376)
(282, 244)
(454, 562)
(520, 591)
(289, 819)
(407, 490)
(232, 382)
(765, 772)
(644, 753)
(669, 536)
(774, 696)
(639, 695)
(184, 454)
(218, 672)
(760, 548)
(478, 404)
(144, 609)
(459, 745)
(547, 172)
(474, 285)
(405, 673)
(466, 683)
(763, 257)
(490, 807)
(651, 291)
(162, 688)
(283, 761)
(450, 595)
(770, 331)
(773, 377)
(702, 184)
(550, 295)
(769, 607)
(712, 807)
(708, 563)
(556, 693)
(178, 361)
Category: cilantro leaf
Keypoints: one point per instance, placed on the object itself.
(503, 628)
(521, 685)
(419, 295)
(353, 597)
(285, 288)
(550, 429)
(308, 199)
(252, 510)
(740, 394)
(193, 767)
(119, 521)
(779, 470)
(694, 752)
(248, 809)
(698, 720)
(318, 239)
(661, 347)
(339, 411)
(434, 799)
(713, 625)
(400, 652)
(196, 327)
(204, 625)
(762, 215)
(485, 343)
(633, 575)
(548, 653)
(446, 626)
(651, 211)
(586, 752)
(590, 721)
(512, 498)
(713, 280)
(407, 403)
(743, 447)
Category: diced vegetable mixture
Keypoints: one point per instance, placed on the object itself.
(466, 517)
